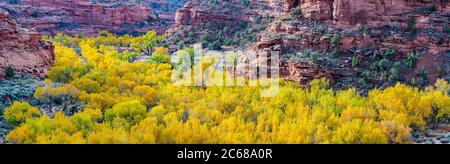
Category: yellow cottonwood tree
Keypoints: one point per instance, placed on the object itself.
(19, 112)
(123, 101)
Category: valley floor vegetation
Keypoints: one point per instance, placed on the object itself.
(98, 92)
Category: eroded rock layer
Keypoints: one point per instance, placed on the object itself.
(21, 49)
(89, 17)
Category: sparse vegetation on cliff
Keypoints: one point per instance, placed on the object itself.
(446, 28)
(336, 45)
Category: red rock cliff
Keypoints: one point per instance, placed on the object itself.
(83, 16)
(21, 49)
(371, 12)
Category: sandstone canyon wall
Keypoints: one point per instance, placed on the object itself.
(371, 12)
(366, 29)
(90, 17)
(21, 49)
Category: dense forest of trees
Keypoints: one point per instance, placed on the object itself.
(98, 94)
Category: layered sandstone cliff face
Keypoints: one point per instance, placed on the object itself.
(164, 10)
(219, 25)
(196, 13)
(366, 29)
(372, 12)
(21, 49)
(89, 17)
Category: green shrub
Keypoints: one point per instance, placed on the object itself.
(228, 42)
(14, 2)
(423, 74)
(180, 44)
(355, 61)
(393, 74)
(9, 72)
(383, 64)
(412, 26)
(336, 44)
(413, 81)
(411, 60)
(296, 13)
(246, 3)
(428, 10)
(158, 18)
(191, 34)
(263, 6)
(35, 14)
(440, 71)
(367, 76)
(446, 28)
(314, 56)
(214, 2)
(433, 8)
(389, 53)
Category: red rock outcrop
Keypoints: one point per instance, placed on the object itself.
(164, 10)
(184, 15)
(430, 13)
(195, 13)
(373, 12)
(316, 9)
(84, 16)
(21, 49)
(304, 72)
(313, 9)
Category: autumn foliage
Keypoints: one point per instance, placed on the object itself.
(136, 102)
